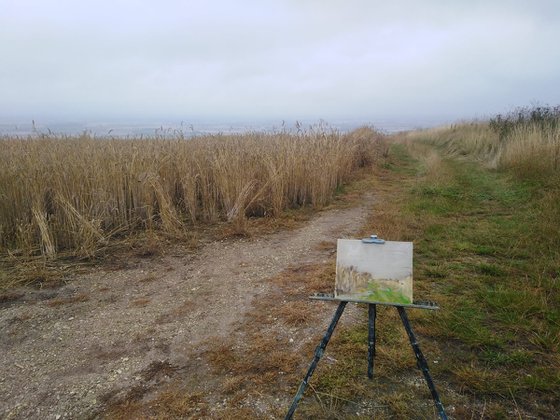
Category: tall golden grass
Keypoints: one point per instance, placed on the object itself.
(75, 194)
(532, 150)
(528, 149)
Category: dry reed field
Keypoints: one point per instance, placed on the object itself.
(72, 195)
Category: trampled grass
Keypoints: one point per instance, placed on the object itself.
(72, 196)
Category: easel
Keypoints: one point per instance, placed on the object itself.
(372, 314)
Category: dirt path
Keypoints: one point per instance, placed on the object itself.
(67, 352)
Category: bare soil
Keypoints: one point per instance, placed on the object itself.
(75, 351)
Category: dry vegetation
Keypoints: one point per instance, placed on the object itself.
(526, 141)
(72, 196)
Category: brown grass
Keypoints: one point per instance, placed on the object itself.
(527, 149)
(140, 302)
(530, 149)
(173, 402)
(82, 297)
(74, 195)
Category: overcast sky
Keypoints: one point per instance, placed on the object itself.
(276, 59)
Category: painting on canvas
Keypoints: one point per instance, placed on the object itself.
(374, 272)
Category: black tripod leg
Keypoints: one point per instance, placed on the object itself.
(372, 313)
(422, 364)
(318, 354)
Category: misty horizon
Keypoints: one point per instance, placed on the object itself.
(199, 126)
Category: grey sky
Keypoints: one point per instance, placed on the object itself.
(276, 59)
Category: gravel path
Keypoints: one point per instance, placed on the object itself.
(67, 352)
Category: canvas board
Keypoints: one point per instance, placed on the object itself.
(374, 272)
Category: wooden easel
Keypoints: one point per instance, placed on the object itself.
(372, 314)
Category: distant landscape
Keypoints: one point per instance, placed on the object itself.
(196, 127)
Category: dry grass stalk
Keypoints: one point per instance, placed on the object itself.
(47, 243)
(73, 194)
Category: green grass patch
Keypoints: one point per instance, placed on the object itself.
(487, 249)
(515, 358)
(490, 269)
